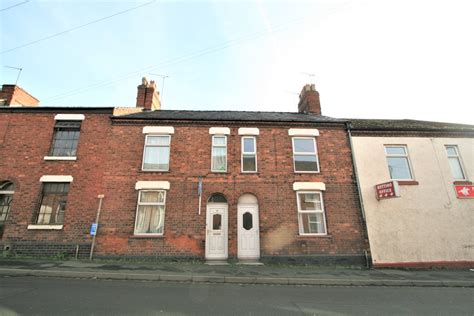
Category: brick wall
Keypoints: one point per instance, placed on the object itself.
(27, 139)
(109, 158)
(184, 229)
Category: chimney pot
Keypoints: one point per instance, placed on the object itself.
(309, 100)
(147, 96)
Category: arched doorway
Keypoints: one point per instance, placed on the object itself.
(6, 196)
(248, 232)
(216, 227)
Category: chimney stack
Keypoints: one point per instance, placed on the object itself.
(309, 100)
(13, 95)
(147, 96)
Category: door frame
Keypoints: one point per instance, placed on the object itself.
(225, 226)
(239, 222)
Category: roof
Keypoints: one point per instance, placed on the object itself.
(231, 116)
(407, 125)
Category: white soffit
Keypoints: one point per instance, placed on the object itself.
(219, 131)
(303, 132)
(158, 130)
(163, 185)
(69, 117)
(56, 179)
(299, 186)
(249, 131)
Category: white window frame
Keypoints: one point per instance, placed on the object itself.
(220, 146)
(406, 155)
(169, 155)
(248, 153)
(149, 203)
(458, 157)
(305, 154)
(300, 211)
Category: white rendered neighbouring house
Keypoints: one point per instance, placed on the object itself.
(431, 223)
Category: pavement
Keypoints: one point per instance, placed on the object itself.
(199, 272)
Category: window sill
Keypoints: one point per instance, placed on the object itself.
(313, 235)
(407, 182)
(155, 171)
(45, 227)
(59, 158)
(146, 236)
(462, 182)
(304, 172)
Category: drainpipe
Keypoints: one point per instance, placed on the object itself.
(361, 199)
(354, 168)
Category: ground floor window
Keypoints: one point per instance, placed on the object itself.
(150, 215)
(53, 203)
(311, 217)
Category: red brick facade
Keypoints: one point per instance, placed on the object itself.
(109, 162)
(185, 230)
(25, 140)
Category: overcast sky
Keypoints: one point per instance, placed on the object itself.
(368, 59)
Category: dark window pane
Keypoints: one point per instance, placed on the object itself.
(249, 163)
(247, 221)
(66, 138)
(217, 198)
(216, 221)
(305, 163)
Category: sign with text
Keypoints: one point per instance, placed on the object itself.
(93, 229)
(387, 190)
(464, 191)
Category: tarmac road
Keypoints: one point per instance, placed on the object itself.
(52, 296)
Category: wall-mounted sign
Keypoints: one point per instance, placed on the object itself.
(387, 190)
(93, 231)
(464, 191)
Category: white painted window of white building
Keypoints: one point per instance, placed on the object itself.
(156, 155)
(249, 154)
(311, 218)
(398, 162)
(150, 217)
(305, 157)
(455, 162)
(219, 153)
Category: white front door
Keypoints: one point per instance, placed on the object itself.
(216, 231)
(248, 232)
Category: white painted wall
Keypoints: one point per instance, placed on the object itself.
(427, 223)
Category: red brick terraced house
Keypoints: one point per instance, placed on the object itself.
(215, 185)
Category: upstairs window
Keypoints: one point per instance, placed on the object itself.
(398, 162)
(249, 154)
(156, 156)
(53, 203)
(305, 157)
(454, 160)
(219, 153)
(66, 138)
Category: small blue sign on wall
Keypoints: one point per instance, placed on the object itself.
(93, 229)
